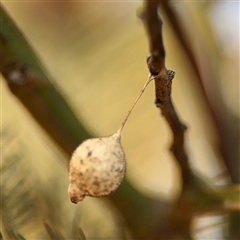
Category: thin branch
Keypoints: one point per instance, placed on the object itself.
(180, 215)
(163, 83)
(153, 26)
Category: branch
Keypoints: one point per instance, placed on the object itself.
(153, 26)
(28, 81)
(163, 83)
(179, 216)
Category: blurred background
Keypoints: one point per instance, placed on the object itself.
(96, 52)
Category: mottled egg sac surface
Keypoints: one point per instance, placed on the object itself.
(97, 168)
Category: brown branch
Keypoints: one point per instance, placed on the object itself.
(153, 26)
(179, 216)
(163, 83)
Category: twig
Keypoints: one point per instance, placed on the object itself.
(163, 82)
(179, 217)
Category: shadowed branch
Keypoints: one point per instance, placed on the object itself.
(163, 84)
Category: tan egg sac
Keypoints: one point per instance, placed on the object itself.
(97, 168)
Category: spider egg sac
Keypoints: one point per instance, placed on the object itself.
(96, 168)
